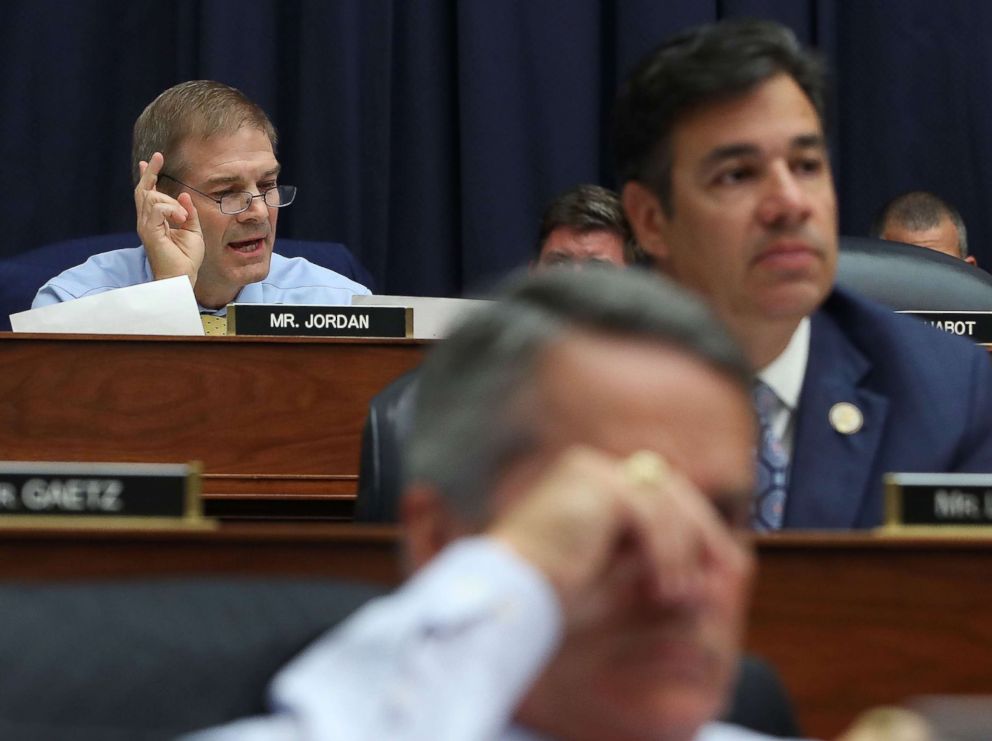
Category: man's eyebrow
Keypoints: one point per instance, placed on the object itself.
(229, 179)
(730, 151)
(809, 141)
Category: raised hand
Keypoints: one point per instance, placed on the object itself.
(591, 513)
(169, 227)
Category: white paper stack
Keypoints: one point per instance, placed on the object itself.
(160, 307)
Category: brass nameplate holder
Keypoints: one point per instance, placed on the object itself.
(319, 321)
(974, 325)
(106, 495)
(938, 503)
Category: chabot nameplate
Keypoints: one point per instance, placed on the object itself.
(938, 500)
(319, 321)
(975, 325)
(96, 493)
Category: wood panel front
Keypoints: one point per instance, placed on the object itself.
(355, 552)
(857, 621)
(264, 415)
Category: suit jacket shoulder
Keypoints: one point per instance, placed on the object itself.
(925, 404)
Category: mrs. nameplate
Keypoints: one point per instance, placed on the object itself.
(319, 321)
(938, 502)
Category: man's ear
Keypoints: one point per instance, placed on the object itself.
(428, 524)
(970, 259)
(647, 219)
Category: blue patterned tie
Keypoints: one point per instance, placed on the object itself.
(773, 465)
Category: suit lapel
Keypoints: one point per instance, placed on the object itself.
(833, 472)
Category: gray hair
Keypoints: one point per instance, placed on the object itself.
(477, 408)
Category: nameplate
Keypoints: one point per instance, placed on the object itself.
(319, 321)
(975, 325)
(938, 500)
(74, 494)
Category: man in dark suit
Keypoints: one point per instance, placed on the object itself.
(720, 144)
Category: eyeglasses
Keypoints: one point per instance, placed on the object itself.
(237, 202)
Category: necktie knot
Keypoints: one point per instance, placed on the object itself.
(766, 402)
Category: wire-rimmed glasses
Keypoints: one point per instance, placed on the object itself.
(239, 201)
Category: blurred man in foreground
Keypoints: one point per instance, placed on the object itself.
(925, 220)
(581, 470)
(586, 225)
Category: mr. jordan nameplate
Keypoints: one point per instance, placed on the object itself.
(975, 325)
(938, 500)
(97, 492)
(319, 321)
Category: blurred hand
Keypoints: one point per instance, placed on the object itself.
(589, 512)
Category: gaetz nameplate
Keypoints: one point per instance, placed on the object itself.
(975, 325)
(39, 493)
(319, 321)
(938, 499)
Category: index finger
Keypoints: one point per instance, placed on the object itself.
(149, 175)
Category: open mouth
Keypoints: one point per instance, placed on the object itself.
(247, 246)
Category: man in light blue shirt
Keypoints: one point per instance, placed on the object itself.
(210, 214)
(580, 470)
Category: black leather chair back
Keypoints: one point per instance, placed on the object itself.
(906, 277)
(760, 701)
(380, 474)
(150, 661)
(144, 661)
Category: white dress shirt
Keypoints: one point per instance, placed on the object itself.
(784, 376)
(291, 280)
(445, 658)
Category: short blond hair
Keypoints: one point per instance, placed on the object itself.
(194, 109)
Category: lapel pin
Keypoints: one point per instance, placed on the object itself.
(845, 418)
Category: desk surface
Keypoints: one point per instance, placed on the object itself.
(265, 415)
(851, 621)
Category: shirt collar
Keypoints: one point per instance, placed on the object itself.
(785, 374)
(249, 294)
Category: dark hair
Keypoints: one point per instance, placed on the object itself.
(197, 108)
(476, 409)
(697, 67)
(590, 208)
(919, 210)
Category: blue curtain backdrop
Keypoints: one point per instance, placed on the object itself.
(428, 134)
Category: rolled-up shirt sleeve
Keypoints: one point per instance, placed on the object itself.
(447, 656)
